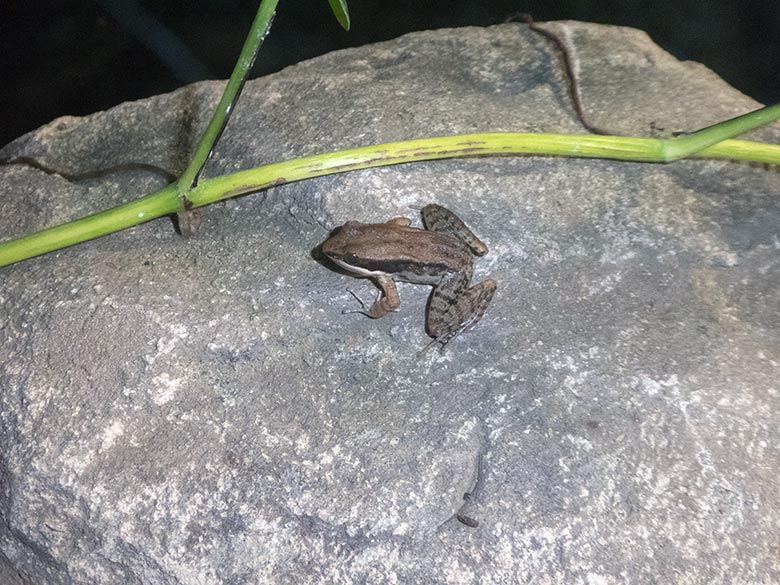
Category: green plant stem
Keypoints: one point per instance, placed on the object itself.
(151, 206)
(688, 144)
(257, 33)
(586, 146)
(168, 200)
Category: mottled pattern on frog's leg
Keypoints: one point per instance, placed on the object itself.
(440, 219)
(388, 301)
(454, 309)
(402, 221)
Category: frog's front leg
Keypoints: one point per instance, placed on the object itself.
(388, 299)
(455, 308)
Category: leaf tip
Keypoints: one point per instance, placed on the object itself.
(341, 12)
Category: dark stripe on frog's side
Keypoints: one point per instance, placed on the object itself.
(432, 271)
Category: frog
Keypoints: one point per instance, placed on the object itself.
(442, 255)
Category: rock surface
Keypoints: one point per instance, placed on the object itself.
(187, 411)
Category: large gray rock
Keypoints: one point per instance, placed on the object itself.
(188, 411)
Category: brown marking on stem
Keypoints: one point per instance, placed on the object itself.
(352, 165)
(244, 189)
(449, 152)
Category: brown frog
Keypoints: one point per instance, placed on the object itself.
(441, 255)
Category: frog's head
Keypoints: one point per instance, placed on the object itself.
(342, 246)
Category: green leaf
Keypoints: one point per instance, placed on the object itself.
(339, 8)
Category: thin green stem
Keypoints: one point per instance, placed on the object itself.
(255, 38)
(687, 144)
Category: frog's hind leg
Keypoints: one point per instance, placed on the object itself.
(454, 308)
(440, 219)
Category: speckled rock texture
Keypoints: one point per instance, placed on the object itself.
(199, 411)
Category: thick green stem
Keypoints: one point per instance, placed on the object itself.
(169, 201)
(257, 33)
(586, 146)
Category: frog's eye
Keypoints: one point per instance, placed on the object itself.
(350, 257)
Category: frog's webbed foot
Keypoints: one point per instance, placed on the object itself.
(440, 219)
(454, 310)
(386, 302)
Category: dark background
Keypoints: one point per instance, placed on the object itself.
(78, 56)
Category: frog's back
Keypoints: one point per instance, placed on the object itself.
(401, 252)
(421, 256)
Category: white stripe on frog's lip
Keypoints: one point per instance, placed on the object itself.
(358, 269)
